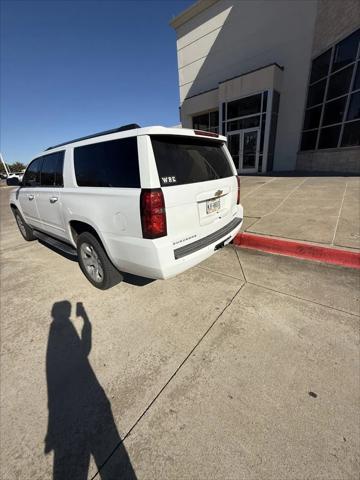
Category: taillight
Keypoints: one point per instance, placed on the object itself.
(153, 216)
(238, 190)
(205, 133)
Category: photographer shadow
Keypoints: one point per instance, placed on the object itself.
(81, 423)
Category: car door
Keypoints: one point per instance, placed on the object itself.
(28, 191)
(49, 197)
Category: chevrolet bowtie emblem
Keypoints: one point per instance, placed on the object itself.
(218, 193)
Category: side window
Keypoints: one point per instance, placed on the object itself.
(51, 171)
(108, 164)
(32, 174)
(59, 180)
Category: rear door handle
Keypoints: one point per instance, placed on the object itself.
(53, 199)
(31, 197)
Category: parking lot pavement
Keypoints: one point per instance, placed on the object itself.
(244, 367)
(324, 210)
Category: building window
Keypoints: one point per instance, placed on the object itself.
(247, 113)
(333, 100)
(207, 121)
(244, 106)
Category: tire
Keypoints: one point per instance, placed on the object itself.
(95, 263)
(23, 227)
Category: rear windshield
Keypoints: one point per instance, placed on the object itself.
(182, 160)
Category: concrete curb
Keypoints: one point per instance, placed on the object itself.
(335, 256)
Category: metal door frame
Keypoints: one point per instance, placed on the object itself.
(241, 148)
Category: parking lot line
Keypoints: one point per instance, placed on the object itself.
(338, 218)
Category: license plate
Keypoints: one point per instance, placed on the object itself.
(212, 205)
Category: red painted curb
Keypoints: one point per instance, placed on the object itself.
(298, 249)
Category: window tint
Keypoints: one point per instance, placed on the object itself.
(32, 174)
(52, 170)
(182, 160)
(308, 141)
(207, 121)
(223, 111)
(329, 137)
(201, 122)
(262, 136)
(316, 93)
(244, 106)
(339, 83)
(351, 135)
(320, 66)
(357, 77)
(334, 111)
(108, 164)
(345, 51)
(243, 123)
(264, 101)
(354, 107)
(214, 121)
(312, 118)
(326, 120)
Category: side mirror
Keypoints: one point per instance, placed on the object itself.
(13, 181)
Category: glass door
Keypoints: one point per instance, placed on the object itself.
(234, 147)
(244, 148)
(249, 151)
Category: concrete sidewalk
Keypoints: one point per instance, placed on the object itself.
(243, 368)
(321, 210)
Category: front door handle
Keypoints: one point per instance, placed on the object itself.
(54, 199)
(31, 197)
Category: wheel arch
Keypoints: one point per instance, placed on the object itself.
(78, 226)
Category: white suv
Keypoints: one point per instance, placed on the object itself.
(150, 201)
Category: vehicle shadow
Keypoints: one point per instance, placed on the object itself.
(80, 422)
(125, 277)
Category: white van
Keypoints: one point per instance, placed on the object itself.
(150, 201)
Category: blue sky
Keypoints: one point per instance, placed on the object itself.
(74, 67)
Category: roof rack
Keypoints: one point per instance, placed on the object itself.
(130, 126)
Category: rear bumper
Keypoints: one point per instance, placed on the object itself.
(188, 261)
(157, 258)
(208, 240)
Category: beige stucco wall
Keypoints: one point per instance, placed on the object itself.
(268, 78)
(234, 37)
(198, 104)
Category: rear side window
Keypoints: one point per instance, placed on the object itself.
(52, 170)
(181, 160)
(108, 164)
(32, 174)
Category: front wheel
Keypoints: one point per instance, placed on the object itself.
(95, 263)
(24, 228)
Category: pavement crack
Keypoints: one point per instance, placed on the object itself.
(303, 299)
(241, 267)
(218, 273)
(168, 382)
(279, 291)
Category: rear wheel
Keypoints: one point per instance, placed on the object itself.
(24, 228)
(95, 263)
